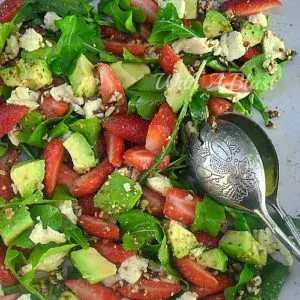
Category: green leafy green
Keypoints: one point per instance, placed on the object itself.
(58, 130)
(3, 150)
(198, 108)
(169, 28)
(61, 192)
(209, 216)
(6, 29)
(261, 108)
(78, 36)
(23, 240)
(27, 12)
(129, 57)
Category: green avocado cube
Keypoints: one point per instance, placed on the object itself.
(252, 34)
(215, 259)
(92, 266)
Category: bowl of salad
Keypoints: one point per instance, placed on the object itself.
(97, 200)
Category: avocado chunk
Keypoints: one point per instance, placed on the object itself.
(28, 176)
(191, 9)
(182, 240)
(118, 195)
(81, 152)
(33, 74)
(179, 87)
(6, 29)
(215, 24)
(67, 295)
(252, 34)
(242, 246)
(39, 54)
(82, 79)
(92, 266)
(215, 259)
(130, 73)
(13, 221)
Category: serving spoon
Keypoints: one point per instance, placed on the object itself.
(228, 167)
(270, 162)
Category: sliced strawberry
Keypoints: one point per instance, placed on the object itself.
(90, 182)
(8, 159)
(87, 291)
(66, 176)
(187, 23)
(6, 190)
(251, 52)
(99, 228)
(208, 240)
(110, 85)
(233, 82)
(129, 127)
(143, 159)
(10, 115)
(113, 34)
(145, 31)
(167, 59)
(113, 251)
(156, 201)
(115, 146)
(149, 7)
(224, 282)
(117, 48)
(87, 205)
(220, 296)
(250, 7)
(9, 9)
(53, 155)
(195, 273)
(180, 206)
(53, 109)
(217, 106)
(150, 289)
(6, 277)
(160, 129)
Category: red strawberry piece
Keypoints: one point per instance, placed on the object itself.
(87, 291)
(224, 282)
(110, 86)
(117, 48)
(113, 34)
(10, 297)
(143, 159)
(6, 190)
(129, 127)
(10, 115)
(87, 205)
(9, 9)
(180, 206)
(10, 157)
(250, 7)
(90, 182)
(217, 106)
(113, 251)
(115, 146)
(208, 240)
(195, 273)
(251, 52)
(156, 201)
(66, 176)
(220, 296)
(99, 228)
(53, 109)
(149, 7)
(167, 59)
(187, 23)
(233, 82)
(145, 31)
(6, 277)
(160, 129)
(150, 290)
(53, 155)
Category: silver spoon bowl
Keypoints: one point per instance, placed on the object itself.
(229, 168)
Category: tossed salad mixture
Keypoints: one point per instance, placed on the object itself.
(96, 197)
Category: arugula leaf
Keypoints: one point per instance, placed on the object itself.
(62, 193)
(27, 12)
(78, 36)
(23, 240)
(209, 216)
(261, 108)
(198, 108)
(246, 275)
(169, 28)
(58, 130)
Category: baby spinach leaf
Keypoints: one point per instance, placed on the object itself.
(27, 12)
(169, 28)
(209, 216)
(198, 108)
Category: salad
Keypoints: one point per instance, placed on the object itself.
(97, 200)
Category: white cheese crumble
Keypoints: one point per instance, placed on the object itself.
(127, 187)
(65, 93)
(259, 19)
(51, 263)
(132, 268)
(179, 5)
(159, 183)
(39, 235)
(92, 109)
(31, 40)
(66, 209)
(13, 135)
(12, 47)
(274, 47)
(231, 46)
(49, 19)
(24, 297)
(25, 269)
(188, 296)
(230, 95)
(266, 238)
(110, 281)
(24, 96)
(195, 45)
